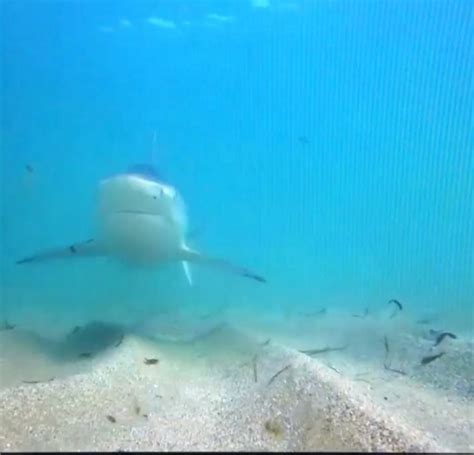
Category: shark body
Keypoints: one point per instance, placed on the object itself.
(143, 221)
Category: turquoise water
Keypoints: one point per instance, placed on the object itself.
(325, 145)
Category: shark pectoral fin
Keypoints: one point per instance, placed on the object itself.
(83, 249)
(187, 272)
(194, 256)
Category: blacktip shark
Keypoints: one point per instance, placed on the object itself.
(143, 221)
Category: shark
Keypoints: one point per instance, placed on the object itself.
(140, 220)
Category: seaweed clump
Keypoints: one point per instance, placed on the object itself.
(274, 427)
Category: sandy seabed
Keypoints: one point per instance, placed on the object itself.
(228, 391)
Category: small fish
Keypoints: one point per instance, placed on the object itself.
(396, 302)
(111, 419)
(85, 355)
(277, 374)
(385, 342)
(431, 358)
(387, 350)
(311, 352)
(399, 305)
(75, 330)
(427, 319)
(29, 168)
(363, 315)
(443, 335)
(38, 382)
(266, 342)
(333, 368)
(254, 367)
(315, 313)
(6, 326)
(151, 361)
(136, 406)
(432, 334)
(424, 321)
(435, 333)
(119, 342)
(303, 140)
(386, 365)
(394, 370)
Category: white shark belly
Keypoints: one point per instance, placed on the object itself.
(140, 237)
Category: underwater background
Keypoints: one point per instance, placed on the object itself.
(326, 145)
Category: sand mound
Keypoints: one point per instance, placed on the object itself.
(197, 397)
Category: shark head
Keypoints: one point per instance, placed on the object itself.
(135, 194)
(141, 216)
